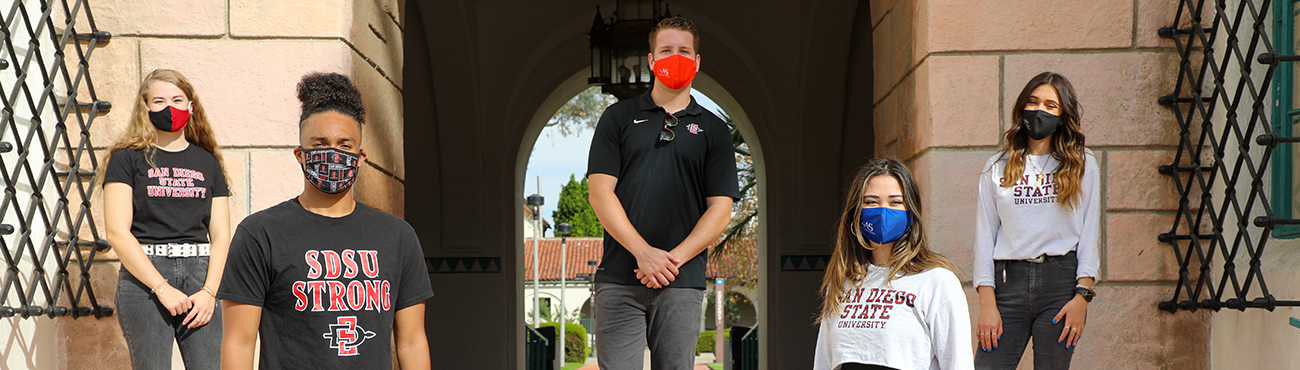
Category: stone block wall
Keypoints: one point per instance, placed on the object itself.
(947, 74)
(245, 58)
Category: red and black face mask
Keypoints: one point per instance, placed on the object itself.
(170, 119)
(330, 170)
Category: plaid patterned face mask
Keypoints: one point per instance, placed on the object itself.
(330, 170)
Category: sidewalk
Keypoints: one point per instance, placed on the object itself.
(700, 361)
(593, 367)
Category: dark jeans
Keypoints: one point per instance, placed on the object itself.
(1031, 295)
(627, 316)
(150, 329)
(857, 366)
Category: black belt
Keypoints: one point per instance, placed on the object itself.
(1044, 258)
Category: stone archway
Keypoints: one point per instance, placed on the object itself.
(705, 85)
(478, 73)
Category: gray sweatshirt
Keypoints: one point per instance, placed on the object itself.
(1024, 221)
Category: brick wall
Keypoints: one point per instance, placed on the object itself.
(947, 73)
(245, 58)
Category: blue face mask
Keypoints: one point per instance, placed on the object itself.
(885, 225)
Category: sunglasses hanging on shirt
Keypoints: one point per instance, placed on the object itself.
(667, 135)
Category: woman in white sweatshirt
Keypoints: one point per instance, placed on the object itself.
(1036, 232)
(888, 301)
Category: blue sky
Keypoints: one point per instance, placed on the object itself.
(556, 157)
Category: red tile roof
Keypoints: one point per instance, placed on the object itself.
(579, 251)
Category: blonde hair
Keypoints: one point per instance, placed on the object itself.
(141, 135)
(1067, 141)
(911, 253)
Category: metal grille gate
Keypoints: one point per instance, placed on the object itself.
(47, 233)
(1225, 69)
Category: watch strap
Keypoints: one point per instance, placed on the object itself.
(1087, 294)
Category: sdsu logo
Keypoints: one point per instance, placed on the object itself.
(346, 335)
(694, 129)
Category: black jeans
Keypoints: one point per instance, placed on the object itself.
(1028, 298)
(150, 329)
(857, 366)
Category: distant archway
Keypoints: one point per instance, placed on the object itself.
(471, 117)
(705, 85)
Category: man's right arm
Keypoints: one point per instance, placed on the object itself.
(239, 328)
(656, 263)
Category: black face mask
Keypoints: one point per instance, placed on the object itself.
(330, 170)
(1039, 124)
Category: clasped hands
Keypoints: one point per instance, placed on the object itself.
(656, 268)
(198, 308)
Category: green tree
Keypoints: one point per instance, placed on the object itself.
(575, 209)
(736, 251)
(581, 113)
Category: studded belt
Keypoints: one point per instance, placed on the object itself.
(177, 250)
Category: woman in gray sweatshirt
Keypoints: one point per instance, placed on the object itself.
(1037, 226)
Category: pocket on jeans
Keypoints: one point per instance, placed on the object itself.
(130, 289)
(203, 264)
(1068, 263)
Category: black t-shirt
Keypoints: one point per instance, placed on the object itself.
(171, 199)
(328, 287)
(663, 186)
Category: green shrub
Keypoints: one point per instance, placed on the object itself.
(707, 339)
(575, 342)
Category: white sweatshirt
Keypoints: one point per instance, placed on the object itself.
(1025, 221)
(918, 321)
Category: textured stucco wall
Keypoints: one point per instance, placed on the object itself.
(946, 75)
(245, 58)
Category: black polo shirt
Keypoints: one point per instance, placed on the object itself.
(662, 186)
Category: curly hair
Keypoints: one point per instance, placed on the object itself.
(141, 135)
(324, 92)
(1067, 141)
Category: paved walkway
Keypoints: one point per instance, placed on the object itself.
(593, 367)
(700, 361)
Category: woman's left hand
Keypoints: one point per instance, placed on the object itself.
(204, 305)
(1074, 313)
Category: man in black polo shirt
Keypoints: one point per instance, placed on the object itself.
(662, 178)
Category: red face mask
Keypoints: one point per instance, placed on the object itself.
(675, 72)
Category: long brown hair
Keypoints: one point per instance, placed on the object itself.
(911, 253)
(1067, 141)
(141, 135)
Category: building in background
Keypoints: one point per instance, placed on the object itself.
(458, 90)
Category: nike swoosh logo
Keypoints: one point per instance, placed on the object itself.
(636, 121)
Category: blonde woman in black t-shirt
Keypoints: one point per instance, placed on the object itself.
(167, 216)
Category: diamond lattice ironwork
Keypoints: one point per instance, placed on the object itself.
(1221, 103)
(48, 238)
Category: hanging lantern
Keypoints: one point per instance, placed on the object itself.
(619, 46)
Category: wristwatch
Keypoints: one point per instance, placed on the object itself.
(1087, 294)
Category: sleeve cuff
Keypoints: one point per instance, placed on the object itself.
(238, 298)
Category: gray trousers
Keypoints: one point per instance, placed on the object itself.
(630, 317)
(150, 329)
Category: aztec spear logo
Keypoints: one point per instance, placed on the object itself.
(346, 335)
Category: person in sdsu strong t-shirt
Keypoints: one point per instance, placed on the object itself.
(328, 282)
